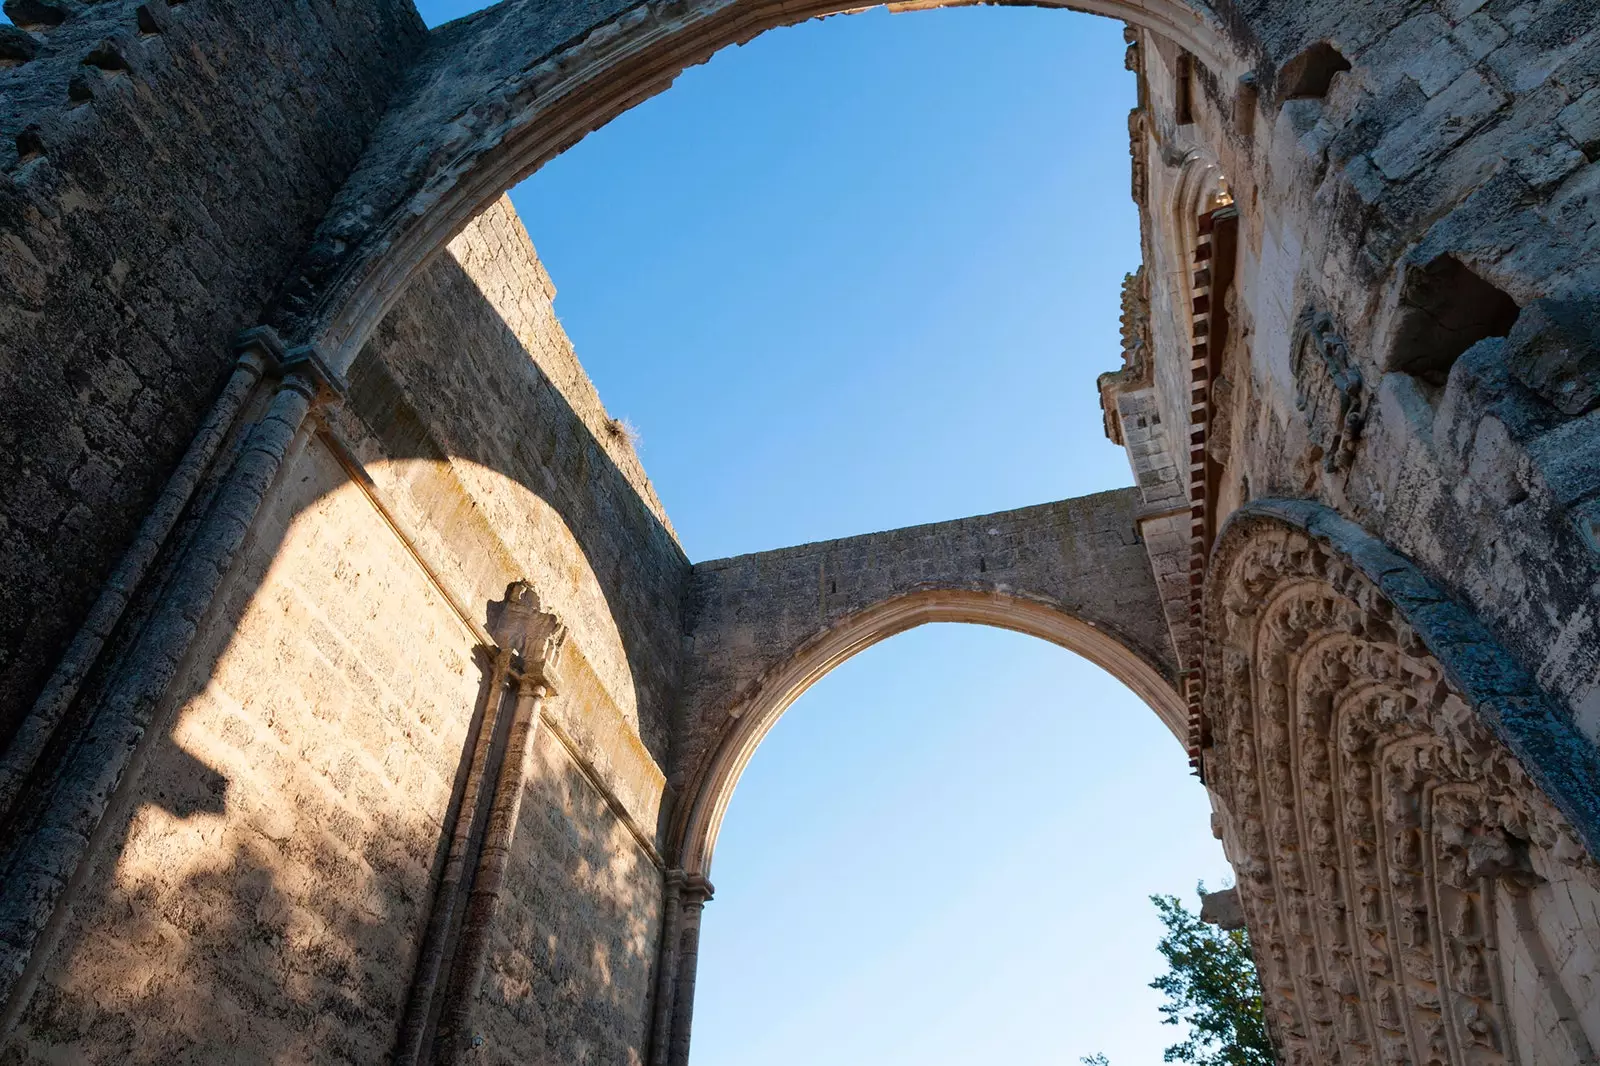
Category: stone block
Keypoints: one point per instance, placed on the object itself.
(1222, 909)
(1568, 459)
(1437, 66)
(1554, 349)
(1479, 35)
(1581, 121)
(1444, 121)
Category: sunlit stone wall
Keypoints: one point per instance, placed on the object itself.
(263, 890)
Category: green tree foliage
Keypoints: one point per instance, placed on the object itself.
(1211, 988)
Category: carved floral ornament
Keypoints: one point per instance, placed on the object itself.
(1413, 895)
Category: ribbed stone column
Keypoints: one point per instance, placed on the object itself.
(529, 641)
(483, 902)
(256, 350)
(44, 862)
(667, 966)
(696, 891)
(439, 937)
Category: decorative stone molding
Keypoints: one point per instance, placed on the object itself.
(1411, 820)
(1135, 373)
(1138, 118)
(1213, 253)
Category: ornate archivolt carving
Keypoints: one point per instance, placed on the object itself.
(1415, 898)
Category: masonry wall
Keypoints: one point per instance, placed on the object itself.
(1463, 131)
(1452, 166)
(161, 168)
(574, 948)
(517, 470)
(751, 614)
(265, 879)
(260, 895)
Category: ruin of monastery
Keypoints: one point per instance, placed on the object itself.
(357, 703)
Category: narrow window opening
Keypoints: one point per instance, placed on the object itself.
(1309, 75)
(1184, 105)
(1446, 309)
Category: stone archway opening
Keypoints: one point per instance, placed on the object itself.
(790, 680)
(1047, 791)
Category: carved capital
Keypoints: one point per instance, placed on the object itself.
(305, 369)
(697, 890)
(260, 347)
(534, 636)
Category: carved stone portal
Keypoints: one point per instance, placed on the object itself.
(1413, 895)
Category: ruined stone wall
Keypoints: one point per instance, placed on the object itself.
(161, 168)
(1411, 341)
(1449, 162)
(262, 892)
(261, 888)
(574, 947)
(473, 378)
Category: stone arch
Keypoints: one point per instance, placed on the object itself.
(505, 90)
(764, 628)
(750, 721)
(1412, 819)
(1201, 187)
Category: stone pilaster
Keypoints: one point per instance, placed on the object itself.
(696, 891)
(666, 966)
(529, 643)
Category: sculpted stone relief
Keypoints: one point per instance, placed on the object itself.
(1330, 393)
(1414, 897)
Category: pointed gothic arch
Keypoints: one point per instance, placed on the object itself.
(509, 88)
(753, 718)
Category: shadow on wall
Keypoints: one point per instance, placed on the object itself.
(447, 381)
(266, 872)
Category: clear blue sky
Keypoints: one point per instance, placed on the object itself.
(855, 275)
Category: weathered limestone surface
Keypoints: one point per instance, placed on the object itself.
(1357, 573)
(269, 871)
(160, 170)
(1413, 819)
(267, 874)
(516, 471)
(574, 948)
